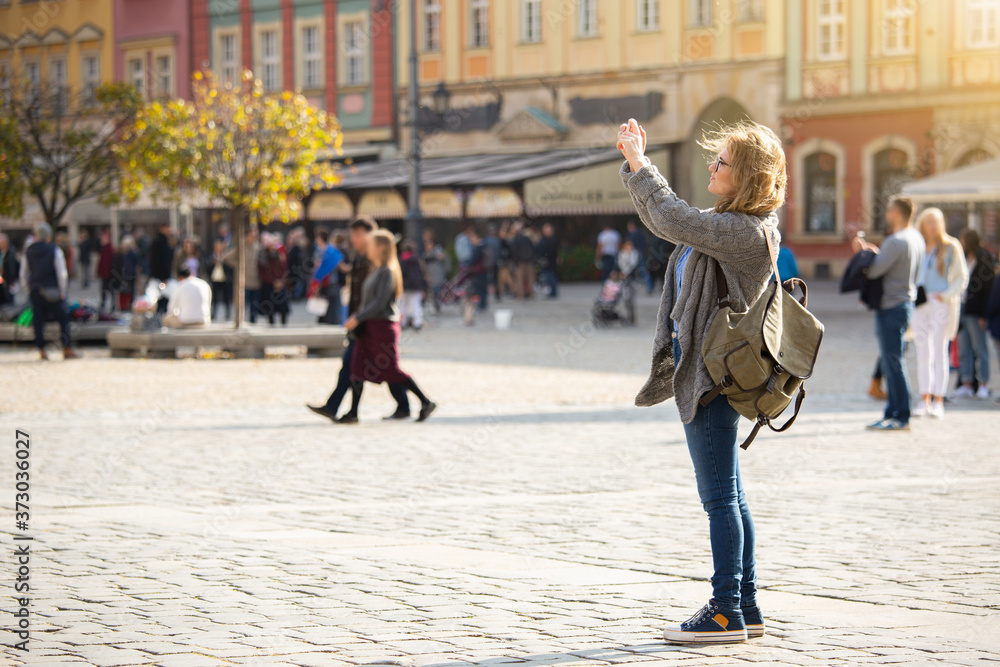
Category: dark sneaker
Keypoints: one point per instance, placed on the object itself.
(348, 419)
(426, 409)
(323, 412)
(711, 625)
(397, 415)
(754, 621)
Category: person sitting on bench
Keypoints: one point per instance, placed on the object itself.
(190, 304)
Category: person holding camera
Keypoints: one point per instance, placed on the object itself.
(738, 235)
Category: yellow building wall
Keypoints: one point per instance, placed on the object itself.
(40, 18)
(618, 46)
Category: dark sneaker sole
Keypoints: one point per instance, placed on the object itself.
(723, 637)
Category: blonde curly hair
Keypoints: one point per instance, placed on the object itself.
(758, 164)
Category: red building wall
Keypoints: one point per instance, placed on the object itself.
(852, 132)
(383, 107)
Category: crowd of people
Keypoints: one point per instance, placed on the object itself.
(940, 292)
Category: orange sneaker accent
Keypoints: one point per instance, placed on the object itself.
(721, 620)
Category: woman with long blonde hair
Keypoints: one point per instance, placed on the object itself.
(739, 235)
(376, 328)
(943, 276)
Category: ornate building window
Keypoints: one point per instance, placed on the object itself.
(647, 13)
(890, 171)
(982, 21)
(701, 12)
(751, 11)
(831, 29)
(897, 27)
(586, 18)
(480, 27)
(312, 57)
(432, 25)
(531, 21)
(354, 50)
(820, 193)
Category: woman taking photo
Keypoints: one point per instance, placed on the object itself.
(738, 234)
(376, 327)
(943, 276)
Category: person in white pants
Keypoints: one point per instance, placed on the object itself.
(943, 276)
(412, 309)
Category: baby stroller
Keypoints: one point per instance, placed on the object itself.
(615, 304)
(454, 291)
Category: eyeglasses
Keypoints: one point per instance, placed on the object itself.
(721, 162)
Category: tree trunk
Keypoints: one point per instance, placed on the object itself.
(238, 223)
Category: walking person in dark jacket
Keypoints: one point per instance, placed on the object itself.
(10, 269)
(273, 269)
(161, 261)
(360, 229)
(548, 258)
(414, 287)
(993, 318)
(105, 271)
(973, 350)
(44, 273)
(376, 357)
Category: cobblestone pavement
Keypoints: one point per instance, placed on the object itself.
(193, 513)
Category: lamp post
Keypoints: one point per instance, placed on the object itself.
(442, 99)
(413, 215)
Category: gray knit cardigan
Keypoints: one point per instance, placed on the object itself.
(736, 241)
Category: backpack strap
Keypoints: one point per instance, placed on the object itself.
(722, 287)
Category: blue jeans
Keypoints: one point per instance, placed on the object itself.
(252, 299)
(609, 263)
(890, 329)
(548, 277)
(973, 352)
(712, 443)
(44, 310)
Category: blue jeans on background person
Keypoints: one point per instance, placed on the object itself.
(890, 329)
(252, 298)
(43, 310)
(548, 277)
(713, 444)
(973, 352)
(608, 264)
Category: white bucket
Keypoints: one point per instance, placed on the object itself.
(503, 318)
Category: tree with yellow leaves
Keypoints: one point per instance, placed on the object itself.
(257, 152)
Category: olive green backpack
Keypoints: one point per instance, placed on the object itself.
(760, 359)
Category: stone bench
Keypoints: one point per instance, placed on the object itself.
(244, 343)
(80, 332)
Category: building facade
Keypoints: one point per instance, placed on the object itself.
(878, 93)
(153, 48)
(338, 53)
(60, 44)
(540, 75)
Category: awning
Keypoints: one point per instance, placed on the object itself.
(382, 204)
(440, 203)
(330, 206)
(591, 190)
(493, 202)
(473, 170)
(966, 185)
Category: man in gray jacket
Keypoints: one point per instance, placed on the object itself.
(896, 263)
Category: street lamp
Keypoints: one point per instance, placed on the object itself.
(411, 227)
(442, 99)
